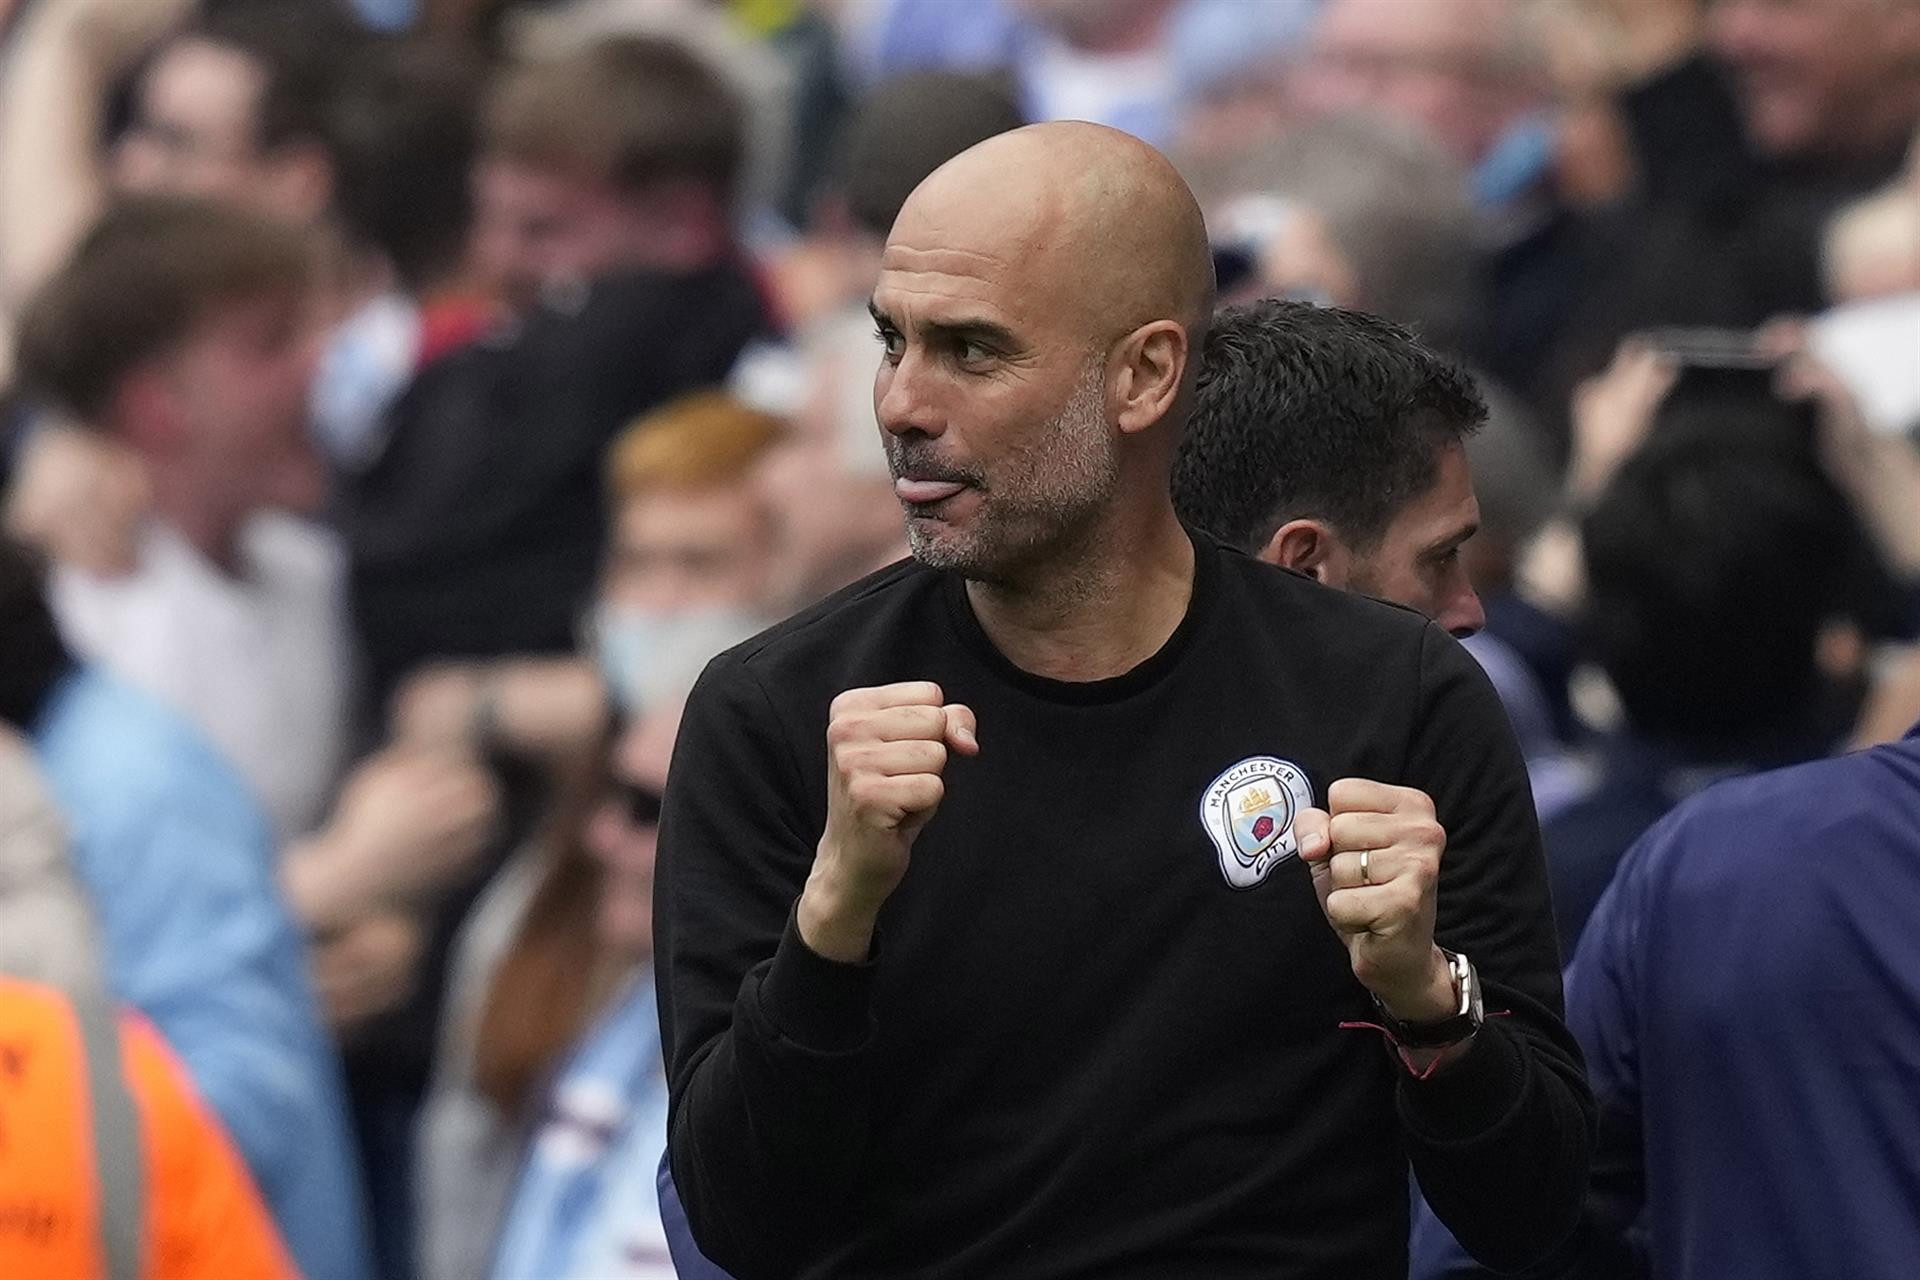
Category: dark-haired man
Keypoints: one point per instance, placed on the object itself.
(1331, 442)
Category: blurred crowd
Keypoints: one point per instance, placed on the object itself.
(404, 399)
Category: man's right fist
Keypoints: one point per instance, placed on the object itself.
(886, 751)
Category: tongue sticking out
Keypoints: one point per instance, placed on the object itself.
(920, 492)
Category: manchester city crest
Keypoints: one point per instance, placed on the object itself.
(1248, 812)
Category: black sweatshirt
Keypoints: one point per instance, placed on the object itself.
(1078, 1050)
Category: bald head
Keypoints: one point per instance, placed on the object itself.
(1086, 215)
(1042, 299)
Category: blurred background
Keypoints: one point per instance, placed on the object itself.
(403, 399)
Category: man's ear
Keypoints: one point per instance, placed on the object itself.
(1309, 547)
(1151, 363)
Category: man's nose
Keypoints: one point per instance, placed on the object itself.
(1464, 614)
(901, 399)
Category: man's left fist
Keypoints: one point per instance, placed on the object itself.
(1375, 855)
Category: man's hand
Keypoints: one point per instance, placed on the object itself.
(886, 751)
(1385, 918)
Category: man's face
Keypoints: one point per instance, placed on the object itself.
(992, 396)
(1435, 62)
(698, 549)
(235, 393)
(1806, 70)
(1418, 562)
(193, 131)
(536, 227)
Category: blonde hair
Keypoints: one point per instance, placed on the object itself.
(699, 441)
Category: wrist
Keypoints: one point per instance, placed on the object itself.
(833, 924)
(1435, 997)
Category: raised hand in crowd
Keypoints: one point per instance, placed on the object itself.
(409, 821)
(367, 968)
(79, 497)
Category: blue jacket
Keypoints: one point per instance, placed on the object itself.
(178, 860)
(1748, 995)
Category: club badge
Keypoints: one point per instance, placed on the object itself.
(1248, 812)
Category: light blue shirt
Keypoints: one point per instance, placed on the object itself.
(177, 858)
(586, 1205)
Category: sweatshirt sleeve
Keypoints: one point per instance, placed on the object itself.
(1500, 1139)
(767, 1044)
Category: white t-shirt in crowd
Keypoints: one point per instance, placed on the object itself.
(259, 661)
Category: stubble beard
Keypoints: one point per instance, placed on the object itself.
(1061, 483)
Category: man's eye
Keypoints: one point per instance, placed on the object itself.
(896, 346)
(972, 352)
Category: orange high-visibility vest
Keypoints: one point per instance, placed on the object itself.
(110, 1167)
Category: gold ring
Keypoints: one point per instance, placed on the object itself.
(1365, 878)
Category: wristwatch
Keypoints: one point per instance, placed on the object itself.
(1450, 1030)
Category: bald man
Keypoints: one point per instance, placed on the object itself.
(1002, 928)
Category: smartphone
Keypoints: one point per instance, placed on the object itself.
(1727, 378)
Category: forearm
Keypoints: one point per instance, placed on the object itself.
(1500, 1141)
(51, 101)
(769, 1125)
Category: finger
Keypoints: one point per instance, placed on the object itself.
(910, 693)
(962, 730)
(1310, 833)
(1366, 829)
(1358, 795)
(894, 759)
(898, 724)
(889, 802)
(1345, 868)
(1382, 908)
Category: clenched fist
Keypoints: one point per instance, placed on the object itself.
(1375, 855)
(887, 750)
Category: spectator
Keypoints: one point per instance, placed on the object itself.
(1713, 566)
(1355, 210)
(124, 1175)
(1734, 994)
(585, 1204)
(620, 156)
(685, 579)
(176, 860)
(899, 132)
(403, 135)
(605, 181)
(1470, 75)
(1751, 122)
(229, 106)
(691, 559)
(181, 329)
(1101, 60)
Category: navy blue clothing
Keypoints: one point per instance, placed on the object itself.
(1640, 782)
(1748, 995)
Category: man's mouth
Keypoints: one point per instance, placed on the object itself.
(925, 492)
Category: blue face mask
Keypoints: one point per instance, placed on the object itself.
(650, 656)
